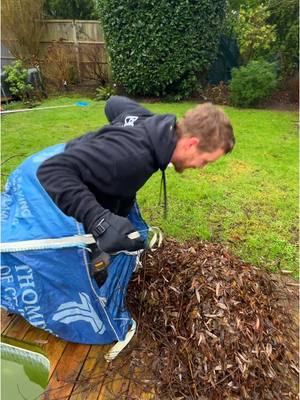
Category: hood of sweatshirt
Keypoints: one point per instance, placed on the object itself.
(162, 135)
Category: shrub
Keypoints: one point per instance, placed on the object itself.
(17, 81)
(252, 83)
(161, 47)
(59, 66)
(96, 68)
(104, 92)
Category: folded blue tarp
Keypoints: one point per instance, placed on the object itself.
(52, 288)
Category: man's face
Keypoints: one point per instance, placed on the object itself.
(188, 155)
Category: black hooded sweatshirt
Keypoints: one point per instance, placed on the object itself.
(105, 169)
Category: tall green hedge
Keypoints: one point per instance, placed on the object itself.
(160, 47)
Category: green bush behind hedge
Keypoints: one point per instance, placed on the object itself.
(160, 47)
(252, 83)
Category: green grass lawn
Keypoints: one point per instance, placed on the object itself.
(248, 200)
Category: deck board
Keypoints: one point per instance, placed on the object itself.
(66, 371)
(116, 383)
(77, 372)
(92, 375)
(17, 329)
(6, 319)
(54, 349)
(135, 389)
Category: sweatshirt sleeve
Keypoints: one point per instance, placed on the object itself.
(117, 105)
(67, 178)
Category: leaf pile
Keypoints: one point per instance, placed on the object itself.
(211, 326)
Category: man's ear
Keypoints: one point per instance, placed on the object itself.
(193, 141)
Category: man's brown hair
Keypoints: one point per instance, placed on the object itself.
(209, 124)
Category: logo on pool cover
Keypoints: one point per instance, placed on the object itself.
(72, 312)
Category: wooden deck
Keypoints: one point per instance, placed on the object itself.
(77, 371)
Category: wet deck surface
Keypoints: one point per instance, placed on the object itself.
(77, 371)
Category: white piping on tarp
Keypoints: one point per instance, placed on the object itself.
(79, 230)
(101, 300)
(118, 347)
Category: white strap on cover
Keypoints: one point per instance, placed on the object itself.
(42, 244)
(69, 241)
(119, 346)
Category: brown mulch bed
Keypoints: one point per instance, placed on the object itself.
(286, 98)
(217, 94)
(281, 100)
(212, 327)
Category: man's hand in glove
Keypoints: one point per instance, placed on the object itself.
(111, 234)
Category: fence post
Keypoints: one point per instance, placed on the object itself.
(76, 49)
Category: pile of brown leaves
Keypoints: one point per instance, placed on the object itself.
(217, 94)
(211, 327)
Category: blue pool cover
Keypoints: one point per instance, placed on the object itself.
(52, 288)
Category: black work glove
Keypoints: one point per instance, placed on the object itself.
(110, 233)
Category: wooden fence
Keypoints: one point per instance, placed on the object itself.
(81, 42)
(6, 56)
